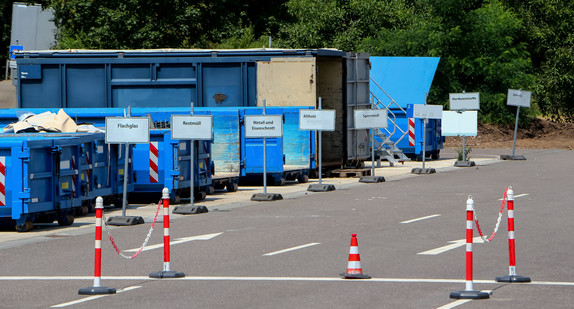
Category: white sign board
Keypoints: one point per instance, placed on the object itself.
(368, 118)
(427, 111)
(518, 98)
(464, 101)
(122, 130)
(321, 120)
(263, 126)
(191, 127)
(459, 123)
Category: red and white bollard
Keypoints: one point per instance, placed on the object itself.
(97, 289)
(166, 273)
(512, 276)
(469, 292)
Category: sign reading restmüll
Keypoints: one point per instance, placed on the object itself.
(191, 127)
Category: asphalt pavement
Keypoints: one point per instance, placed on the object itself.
(290, 253)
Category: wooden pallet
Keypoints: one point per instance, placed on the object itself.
(345, 173)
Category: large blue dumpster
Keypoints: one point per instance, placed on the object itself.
(397, 82)
(49, 176)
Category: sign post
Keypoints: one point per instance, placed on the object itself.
(126, 130)
(462, 121)
(191, 128)
(264, 126)
(518, 98)
(318, 120)
(371, 119)
(425, 112)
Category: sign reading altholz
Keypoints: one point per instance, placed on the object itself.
(122, 130)
(263, 126)
(322, 120)
(191, 127)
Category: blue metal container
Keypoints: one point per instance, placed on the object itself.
(173, 166)
(52, 176)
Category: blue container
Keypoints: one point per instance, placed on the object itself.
(173, 166)
(49, 176)
(434, 139)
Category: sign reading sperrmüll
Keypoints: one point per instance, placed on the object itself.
(518, 98)
(424, 111)
(192, 127)
(263, 126)
(464, 101)
(321, 120)
(369, 118)
(123, 130)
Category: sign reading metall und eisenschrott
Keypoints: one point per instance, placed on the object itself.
(263, 126)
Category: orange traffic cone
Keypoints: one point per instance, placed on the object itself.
(354, 270)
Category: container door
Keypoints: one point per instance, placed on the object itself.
(227, 84)
(296, 143)
(226, 147)
(288, 81)
(357, 97)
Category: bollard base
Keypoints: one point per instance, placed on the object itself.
(355, 276)
(96, 290)
(321, 187)
(469, 295)
(128, 220)
(464, 163)
(189, 210)
(372, 179)
(170, 274)
(513, 279)
(418, 170)
(266, 197)
(511, 157)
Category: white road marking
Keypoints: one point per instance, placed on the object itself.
(292, 249)
(421, 218)
(517, 196)
(178, 241)
(460, 302)
(453, 245)
(230, 278)
(83, 300)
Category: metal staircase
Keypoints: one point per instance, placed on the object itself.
(384, 147)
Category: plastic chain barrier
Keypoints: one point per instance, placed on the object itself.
(145, 241)
(484, 238)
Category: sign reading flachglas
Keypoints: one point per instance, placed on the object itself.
(263, 126)
(321, 120)
(464, 101)
(191, 127)
(367, 118)
(518, 98)
(122, 130)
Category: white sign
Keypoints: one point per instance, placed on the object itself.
(464, 101)
(263, 126)
(459, 123)
(518, 98)
(191, 127)
(120, 130)
(427, 111)
(368, 118)
(321, 120)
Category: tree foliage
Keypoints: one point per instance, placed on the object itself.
(485, 46)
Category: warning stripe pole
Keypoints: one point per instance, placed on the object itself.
(167, 272)
(98, 288)
(166, 249)
(512, 277)
(411, 131)
(153, 162)
(469, 292)
(2, 181)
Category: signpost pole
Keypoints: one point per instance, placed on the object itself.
(126, 174)
(515, 131)
(463, 150)
(264, 156)
(320, 150)
(424, 140)
(192, 166)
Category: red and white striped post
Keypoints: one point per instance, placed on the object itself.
(469, 293)
(166, 273)
(512, 276)
(97, 289)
